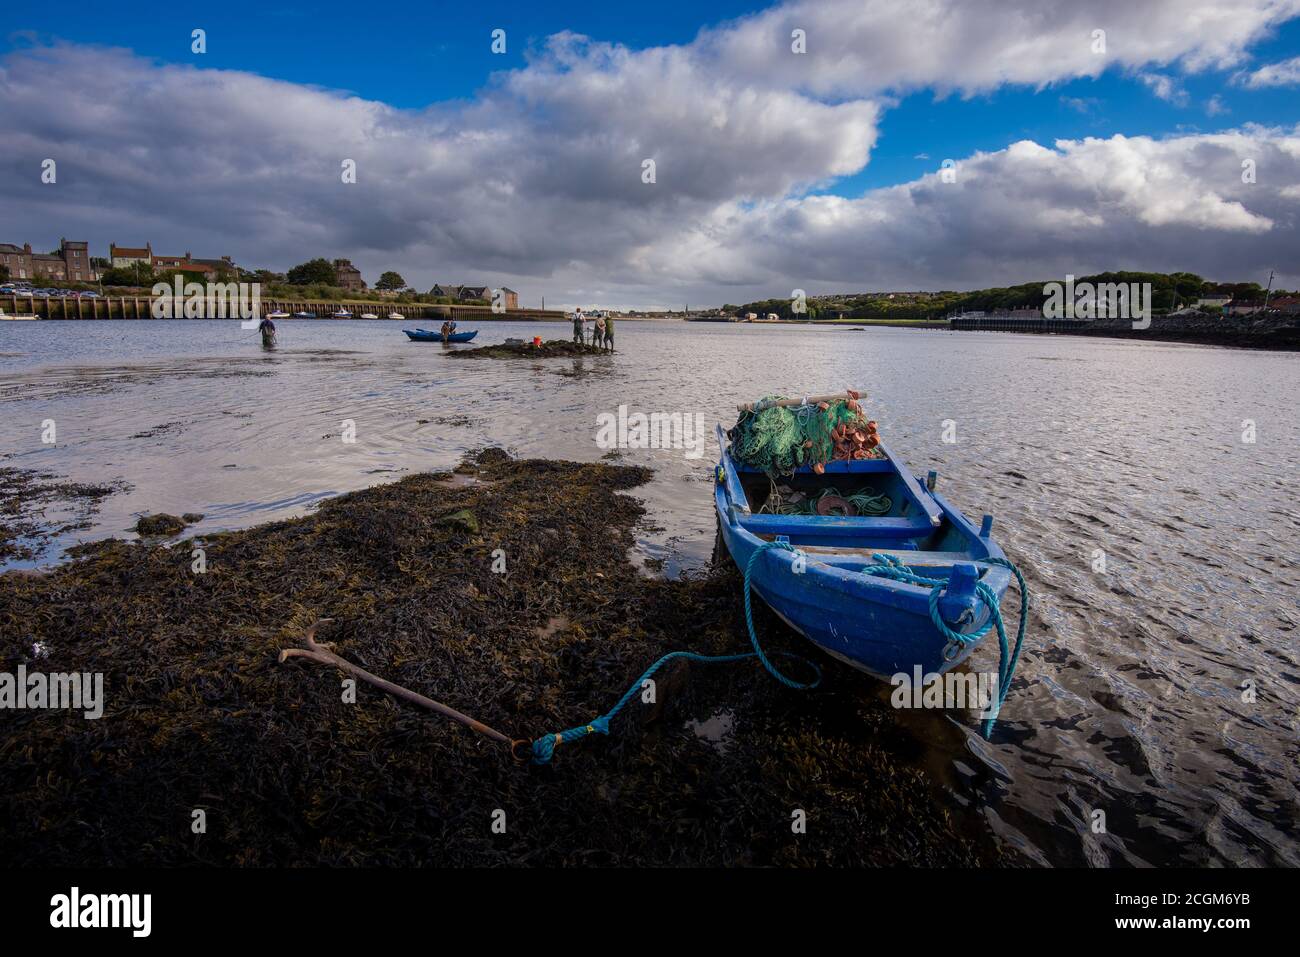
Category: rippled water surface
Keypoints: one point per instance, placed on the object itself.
(1163, 692)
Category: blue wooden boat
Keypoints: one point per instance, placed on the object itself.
(424, 335)
(875, 623)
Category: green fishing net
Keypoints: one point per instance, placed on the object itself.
(780, 439)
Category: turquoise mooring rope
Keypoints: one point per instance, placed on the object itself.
(544, 747)
(890, 566)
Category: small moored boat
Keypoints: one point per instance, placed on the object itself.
(396, 315)
(341, 314)
(5, 317)
(865, 561)
(304, 315)
(368, 315)
(278, 314)
(425, 335)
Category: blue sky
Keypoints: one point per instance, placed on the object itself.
(775, 171)
(407, 55)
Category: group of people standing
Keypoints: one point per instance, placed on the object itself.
(602, 330)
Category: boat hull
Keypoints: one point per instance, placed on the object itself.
(873, 623)
(425, 335)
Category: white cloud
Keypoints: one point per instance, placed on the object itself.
(536, 182)
(1164, 87)
(1081, 104)
(1286, 73)
(1029, 212)
(862, 48)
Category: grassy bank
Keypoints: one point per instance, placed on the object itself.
(201, 716)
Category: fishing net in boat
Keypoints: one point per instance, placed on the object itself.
(779, 439)
(783, 500)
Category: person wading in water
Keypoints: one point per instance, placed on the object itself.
(598, 331)
(609, 333)
(267, 328)
(579, 334)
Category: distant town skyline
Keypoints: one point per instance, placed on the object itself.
(825, 147)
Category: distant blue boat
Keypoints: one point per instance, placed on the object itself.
(875, 623)
(424, 335)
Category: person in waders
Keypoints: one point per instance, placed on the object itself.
(267, 328)
(579, 333)
(609, 333)
(598, 331)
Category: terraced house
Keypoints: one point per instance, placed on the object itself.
(71, 263)
(127, 256)
(474, 293)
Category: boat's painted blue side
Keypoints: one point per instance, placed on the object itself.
(425, 335)
(876, 624)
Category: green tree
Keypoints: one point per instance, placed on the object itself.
(390, 280)
(313, 272)
(136, 274)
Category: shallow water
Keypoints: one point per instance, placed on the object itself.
(1163, 692)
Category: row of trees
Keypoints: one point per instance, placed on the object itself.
(314, 272)
(320, 272)
(1166, 290)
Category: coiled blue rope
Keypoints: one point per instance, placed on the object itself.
(890, 566)
(544, 747)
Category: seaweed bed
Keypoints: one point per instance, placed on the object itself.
(549, 349)
(200, 715)
(27, 498)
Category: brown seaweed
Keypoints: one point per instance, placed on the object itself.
(200, 716)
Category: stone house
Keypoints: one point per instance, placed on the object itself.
(348, 276)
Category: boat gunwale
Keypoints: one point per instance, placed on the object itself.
(903, 595)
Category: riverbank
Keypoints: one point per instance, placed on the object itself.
(1278, 332)
(200, 716)
(1273, 332)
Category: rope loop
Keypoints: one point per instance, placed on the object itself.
(892, 567)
